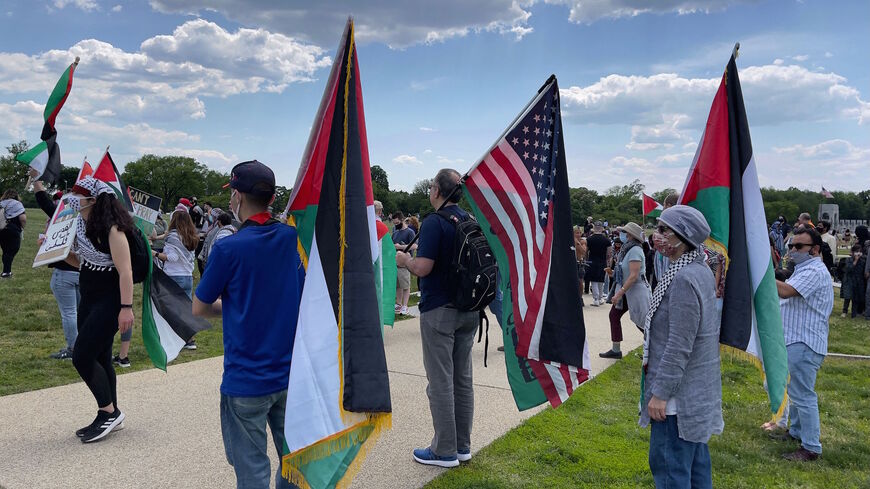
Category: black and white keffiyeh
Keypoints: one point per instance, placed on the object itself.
(659, 293)
(83, 247)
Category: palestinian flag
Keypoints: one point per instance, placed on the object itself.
(340, 388)
(167, 316)
(108, 173)
(386, 274)
(519, 195)
(45, 156)
(651, 208)
(723, 184)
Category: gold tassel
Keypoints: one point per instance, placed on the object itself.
(748, 357)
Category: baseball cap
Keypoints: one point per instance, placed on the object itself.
(252, 177)
(184, 201)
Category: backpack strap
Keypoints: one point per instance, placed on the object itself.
(482, 317)
(451, 218)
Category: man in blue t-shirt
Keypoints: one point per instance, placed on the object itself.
(402, 235)
(447, 332)
(254, 280)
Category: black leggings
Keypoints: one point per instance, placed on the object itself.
(10, 242)
(98, 323)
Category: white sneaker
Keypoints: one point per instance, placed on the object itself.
(404, 310)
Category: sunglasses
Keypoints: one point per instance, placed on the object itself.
(661, 228)
(798, 246)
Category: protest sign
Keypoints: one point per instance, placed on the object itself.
(59, 235)
(146, 207)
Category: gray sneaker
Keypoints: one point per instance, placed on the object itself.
(63, 354)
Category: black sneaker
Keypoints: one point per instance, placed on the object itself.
(611, 354)
(190, 345)
(121, 362)
(6, 275)
(103, 425)
(81, 431)
(63, 354)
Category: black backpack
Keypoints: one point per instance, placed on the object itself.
(473, 270)
(827, 256)
(139, 255)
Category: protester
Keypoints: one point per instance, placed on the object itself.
(102, 252)
(222, 229)
(600, 252)
(853, 287)
(633, 294)
(447, 333)
(776, 239)
(15, 219)
(660, 262)
(580, 250)
(413, 224)
(178, 255)
(862, 239)
(847, 238)
(195, 211)
(809, 299)
(683, 387)
(805, 220)
(64, 282)
(158, 234)
(254, 281)
(402, 236)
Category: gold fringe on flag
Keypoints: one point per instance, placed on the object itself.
(732, 353)
(365, 433)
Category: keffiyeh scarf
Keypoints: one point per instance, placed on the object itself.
(83, 247)
(659, 294)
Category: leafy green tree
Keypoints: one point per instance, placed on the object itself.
(68, 176)
(661, 195)
(583, 204)
(379, 177)
(13, 174)
(169, 177)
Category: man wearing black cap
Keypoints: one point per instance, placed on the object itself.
(254, 280)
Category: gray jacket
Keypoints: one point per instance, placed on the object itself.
(684, 354)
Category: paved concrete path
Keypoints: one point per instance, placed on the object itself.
(172, 436)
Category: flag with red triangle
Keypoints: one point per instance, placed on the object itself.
(108, 173)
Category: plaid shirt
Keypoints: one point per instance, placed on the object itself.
(805, 316)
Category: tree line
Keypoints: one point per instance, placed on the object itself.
(174, 177)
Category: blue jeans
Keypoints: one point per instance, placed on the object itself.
(65, 287)
(243, 425)
(185, 282)
(676, 463)
(803, 365)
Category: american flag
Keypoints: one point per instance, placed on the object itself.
(517, 186)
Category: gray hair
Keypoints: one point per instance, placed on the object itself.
(447, 179)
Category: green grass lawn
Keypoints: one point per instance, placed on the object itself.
(593, 440)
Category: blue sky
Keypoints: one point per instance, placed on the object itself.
(225, 81)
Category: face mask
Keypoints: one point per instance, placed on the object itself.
(398, 226)
(662, 244)
(799, 256)
(234, 210)
(623, 237)
(75, 203)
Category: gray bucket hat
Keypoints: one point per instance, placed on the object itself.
(688, 223)
(632, 229)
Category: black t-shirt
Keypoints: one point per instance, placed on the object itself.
(598, 244)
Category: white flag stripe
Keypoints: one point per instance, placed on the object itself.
(169, 340)
(496, 207)
(520, 168)
(521, 212)
(313, 409)
(757, 240)
(373, 233)
(535, 341)
(40, 161)
(558, 380)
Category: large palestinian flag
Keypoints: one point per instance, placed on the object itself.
(339, 383)
(519, 194)
(723, 184)
(45, 156)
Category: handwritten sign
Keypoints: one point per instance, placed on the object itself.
(60, 234)
(146, 207)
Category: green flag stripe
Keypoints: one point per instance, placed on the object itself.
(770, 339)
(714, 202)
(58, 96)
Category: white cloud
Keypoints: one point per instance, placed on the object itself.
(683, 159)
(834, 150)
(427, 151)
(663, 107)
(395, 24)
(86, 5)
(588, 11)
(426, 129)
(829, 54)
(801, 57)
(169, 78)
(778, 62)
(407, 160)
(117, 8)
(826, 163)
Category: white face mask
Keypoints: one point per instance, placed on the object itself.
(75, 202)
(235, 209)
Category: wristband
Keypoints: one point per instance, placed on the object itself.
(126, 306)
